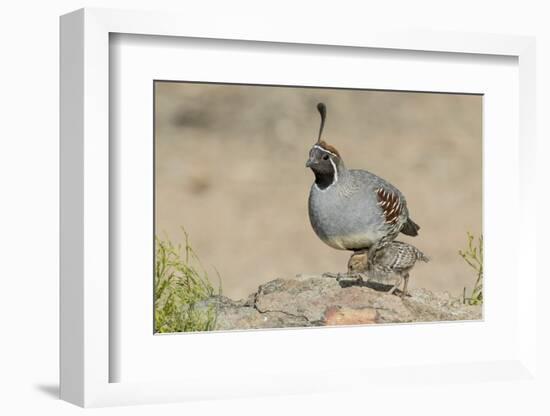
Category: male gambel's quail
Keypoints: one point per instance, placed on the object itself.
(394, 258)
(353, 209)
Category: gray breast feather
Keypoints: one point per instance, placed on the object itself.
(347, 215)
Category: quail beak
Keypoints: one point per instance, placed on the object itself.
(311, 162)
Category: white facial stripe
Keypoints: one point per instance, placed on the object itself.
(335, 172)
(325, 150)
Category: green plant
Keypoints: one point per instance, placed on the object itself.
(181, 283)
(473, 255)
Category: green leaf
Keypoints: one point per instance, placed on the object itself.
(181, 282)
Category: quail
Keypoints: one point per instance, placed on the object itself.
(353, 209)
(394, 258)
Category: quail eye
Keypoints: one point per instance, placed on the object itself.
(325, 157)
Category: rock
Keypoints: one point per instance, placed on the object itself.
(341, 315)
(317, 301)
(243, 315)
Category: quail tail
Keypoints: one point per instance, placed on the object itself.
(420, 256)
(410, 228)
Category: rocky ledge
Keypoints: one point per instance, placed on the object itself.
(314, 300)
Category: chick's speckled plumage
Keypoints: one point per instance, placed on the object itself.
(392, 259)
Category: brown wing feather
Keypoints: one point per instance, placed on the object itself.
(390, 204)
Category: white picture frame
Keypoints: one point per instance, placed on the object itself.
(86, 356)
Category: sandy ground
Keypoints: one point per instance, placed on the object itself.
(230, 168)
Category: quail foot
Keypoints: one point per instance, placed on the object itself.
(353, 209)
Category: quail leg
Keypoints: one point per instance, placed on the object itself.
(370, 254)
(396, 285)
(406, 278)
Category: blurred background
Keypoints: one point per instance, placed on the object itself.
(230, 169)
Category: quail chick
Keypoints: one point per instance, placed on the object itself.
(394, 258)
(353, 209)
